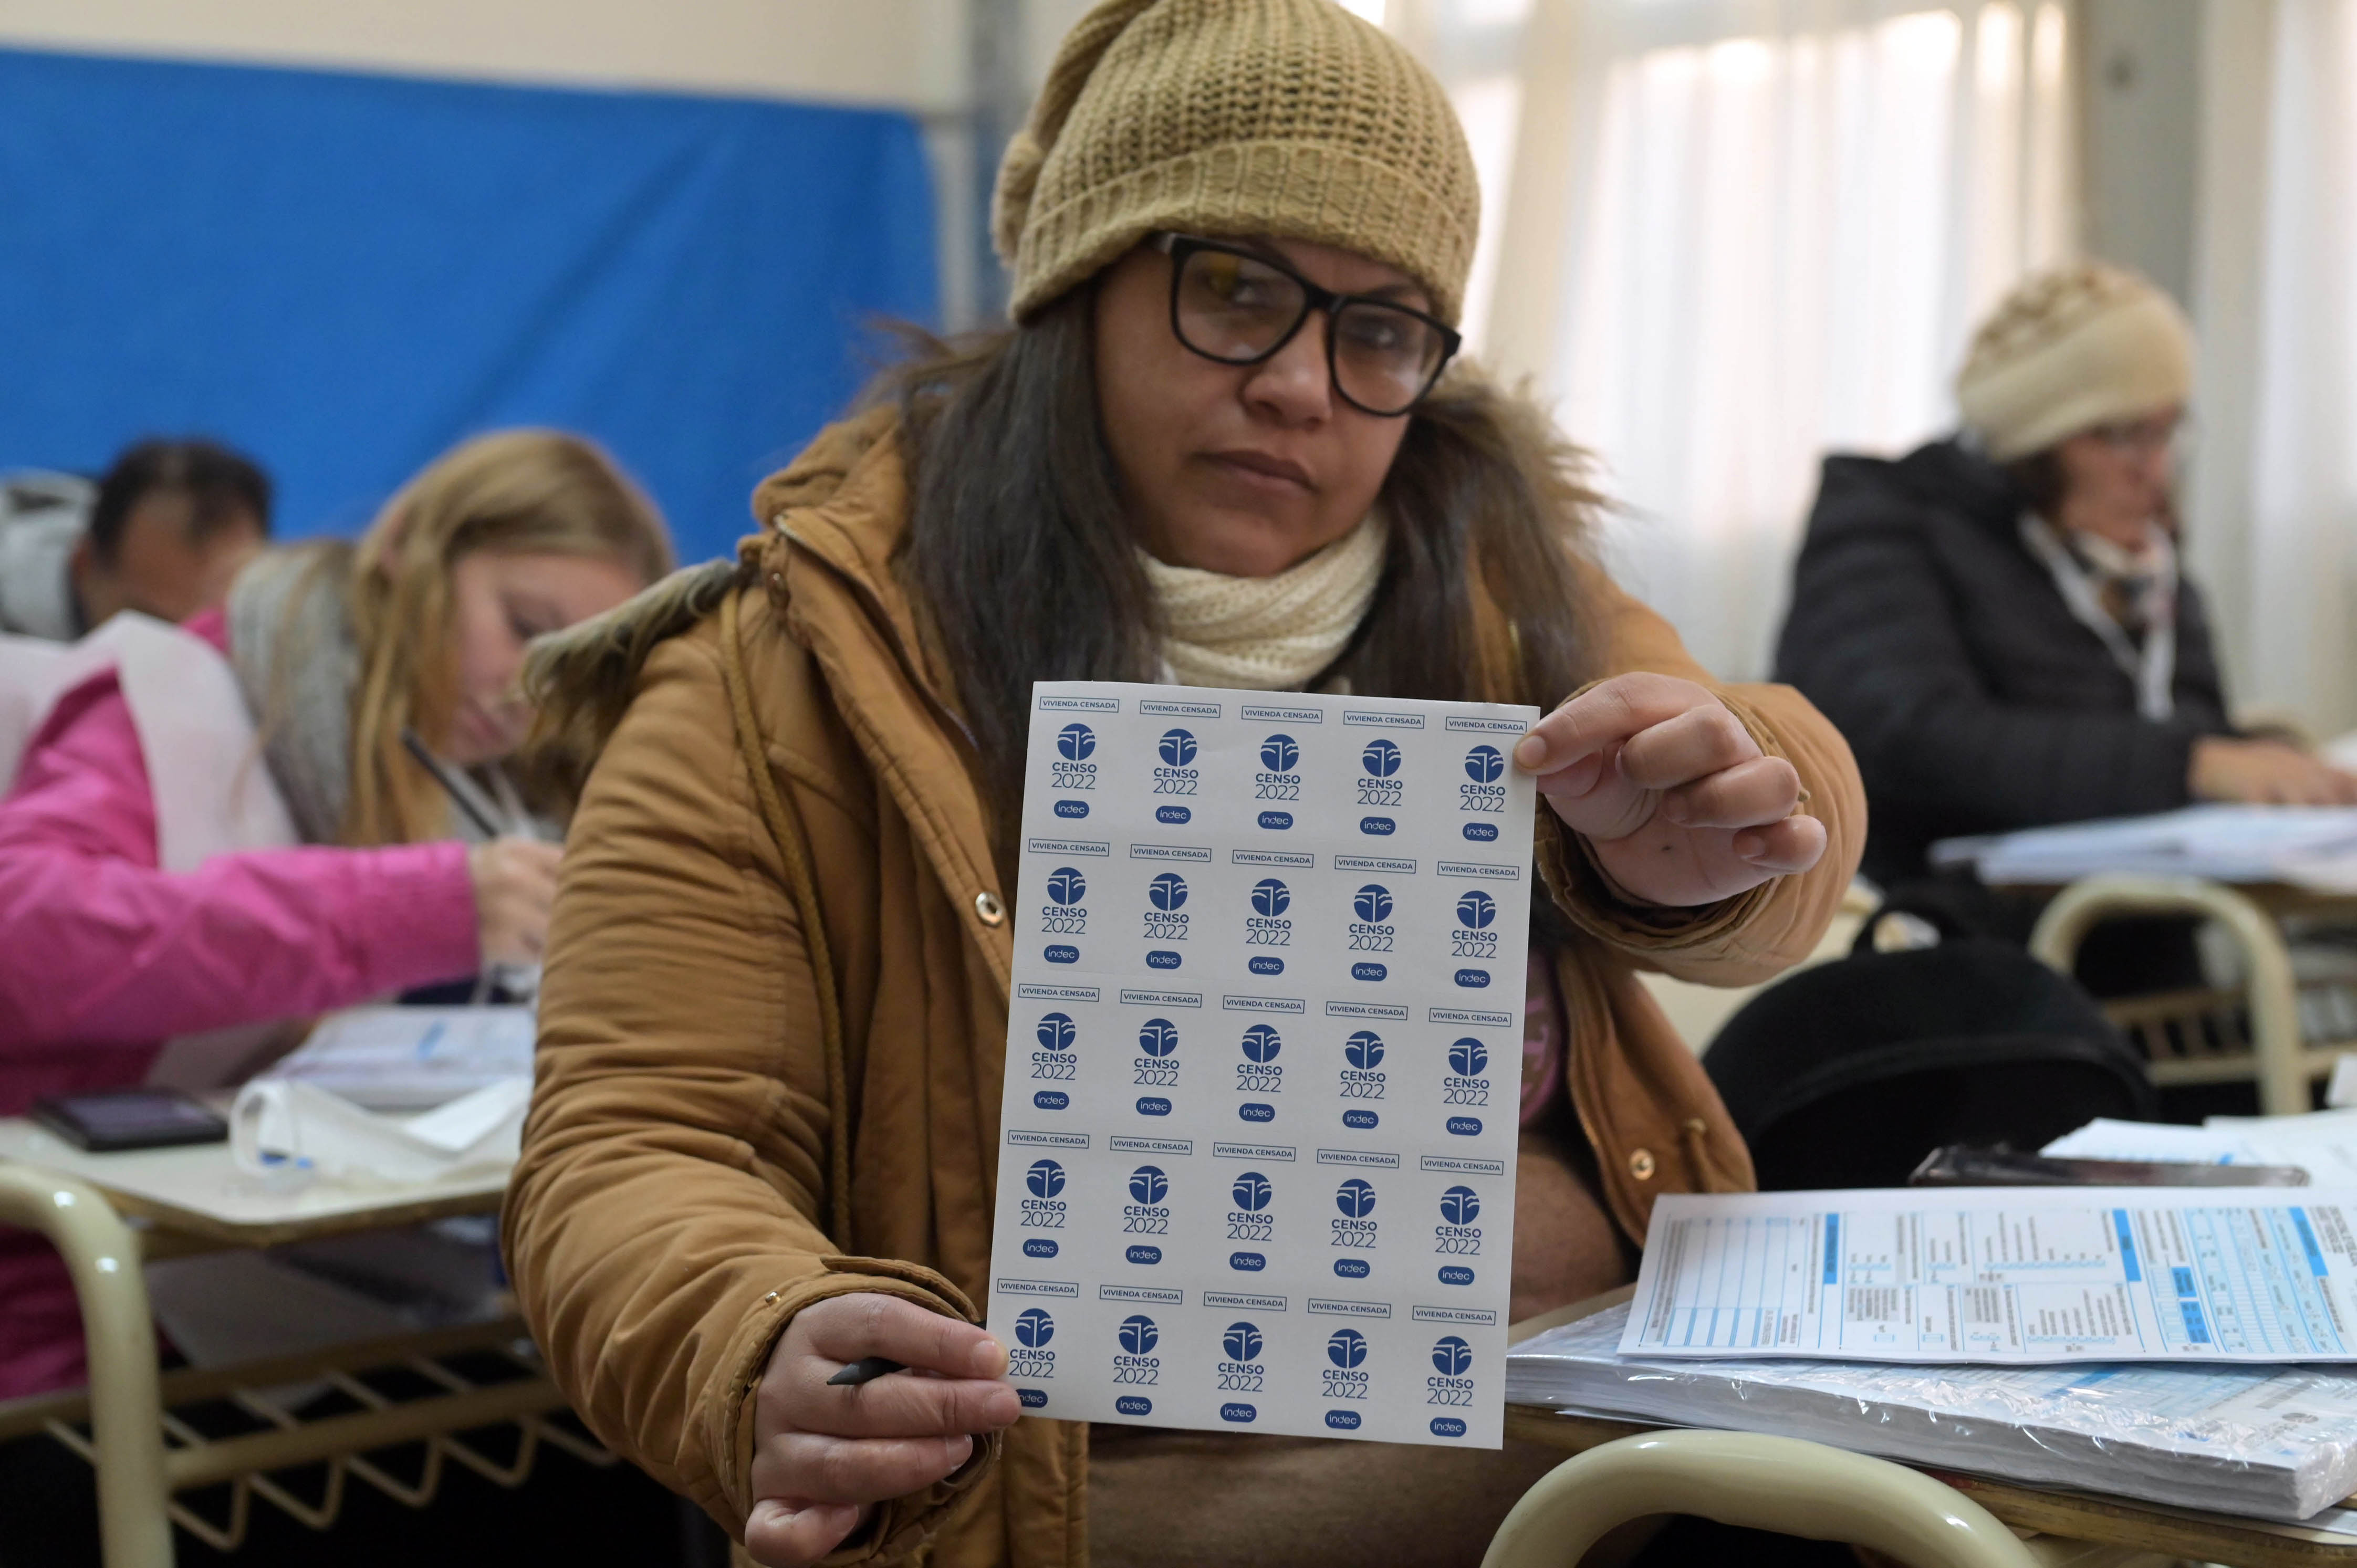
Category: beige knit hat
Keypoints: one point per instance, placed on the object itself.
(2070, 350)
(1235, 117)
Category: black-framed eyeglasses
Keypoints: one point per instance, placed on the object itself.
(1234, 305)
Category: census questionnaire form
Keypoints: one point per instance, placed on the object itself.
(2001, 1276)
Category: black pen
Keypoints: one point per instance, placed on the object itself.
(459, 797)
(866, 1369)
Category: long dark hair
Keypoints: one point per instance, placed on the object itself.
(1021, 555)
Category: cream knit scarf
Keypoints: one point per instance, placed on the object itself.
(1273, 633)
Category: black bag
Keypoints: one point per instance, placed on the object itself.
(1846, 1075)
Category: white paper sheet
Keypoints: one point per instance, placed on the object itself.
(1257, 1157)
(2308, 846)
(406, 1059)
(2002, 1275)
(2323, 1143)
(2280, 1442)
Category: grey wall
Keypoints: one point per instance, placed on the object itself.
(2142, 63)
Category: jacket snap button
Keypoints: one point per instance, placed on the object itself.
(1641, 1164)
(987, 905)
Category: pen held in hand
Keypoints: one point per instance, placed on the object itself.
(866, 1369)
(459, 797)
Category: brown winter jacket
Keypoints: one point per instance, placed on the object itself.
(674, 1207)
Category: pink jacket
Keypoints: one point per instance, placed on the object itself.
(103, 955)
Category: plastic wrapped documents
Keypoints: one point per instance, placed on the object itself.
(2274, 1443)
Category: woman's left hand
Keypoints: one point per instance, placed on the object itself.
(1677, 799)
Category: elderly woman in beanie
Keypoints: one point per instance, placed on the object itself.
(1223, 444)
(1997, 621)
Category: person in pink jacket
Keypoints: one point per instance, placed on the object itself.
(129, 919)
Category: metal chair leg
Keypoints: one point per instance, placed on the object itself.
(2276, 1044)
(103, 1255)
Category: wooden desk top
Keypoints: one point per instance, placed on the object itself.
(198, 1194)
(2332, 1538)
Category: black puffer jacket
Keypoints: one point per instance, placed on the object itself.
(1928, 632)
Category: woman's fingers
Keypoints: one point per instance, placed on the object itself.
(1698, 744)
(1611, 711)
(901, 1405)
(779, 1534)
(811, 1466)
(1748, 795)
(1782, 849)
(868, 1323)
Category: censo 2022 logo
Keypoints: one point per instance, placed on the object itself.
(1363, 1066)
(1252, 1220)
(1452, 1359)
(1473, 936)
(1469, 1060)
(1146, 1213)
(1043, 1196)
(1259, 1073)
(1379, 782)
(1485, 767)
(1075, 744)
(1240, 1371)
(1371, 930)
(1166, 920)
(1064, 915)
(1346, 1358)
(1456, 1235)
(1055, 1060)
(1030, 1357)
(1177, 773)
(1266, 926)
(1157, 1063)
(1278, 778)
(1136, 1364)
(1354, 1225)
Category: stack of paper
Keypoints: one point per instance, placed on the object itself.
(2312, 847)
(2323, 1143)
(411, 1059)
(2274, 1443)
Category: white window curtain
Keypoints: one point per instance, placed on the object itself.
(2273, 514)
(1726, 238)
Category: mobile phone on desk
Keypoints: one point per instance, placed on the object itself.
(113, 1120)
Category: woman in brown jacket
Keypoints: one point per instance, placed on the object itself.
(1218, 447)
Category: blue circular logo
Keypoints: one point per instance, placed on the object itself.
(1271, 897)
(1066, 886)
(1364, 1050)
(1138, 1334)
(1159, 1038)
(1076, 743)
(1380, 759)
(1460, 1206)
(1045, 1178)
(1168, 891)
(1468, 1057)
(1280, 754)
(1149, 1186)
(1476, 909)
(1347, 1349)
(1373, 902)
(1261, 1043)
(1451, 1355)
(1242, 1342)
(1178, 749)
(1034, 1327)
(1057, 1032)
(1355, 1197)
(1252, 1192)
(1483, 764)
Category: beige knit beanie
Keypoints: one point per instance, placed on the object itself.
(1290, 118)
(2068, 349)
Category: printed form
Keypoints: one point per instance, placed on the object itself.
(2002, 1274)
(1256, 1159)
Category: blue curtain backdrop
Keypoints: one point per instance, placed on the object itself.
(343, 273)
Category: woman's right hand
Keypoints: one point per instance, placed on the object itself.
(2266, 773)
(824, 1456)
(515, 886)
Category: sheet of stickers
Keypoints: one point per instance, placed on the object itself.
(1263, 1062)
